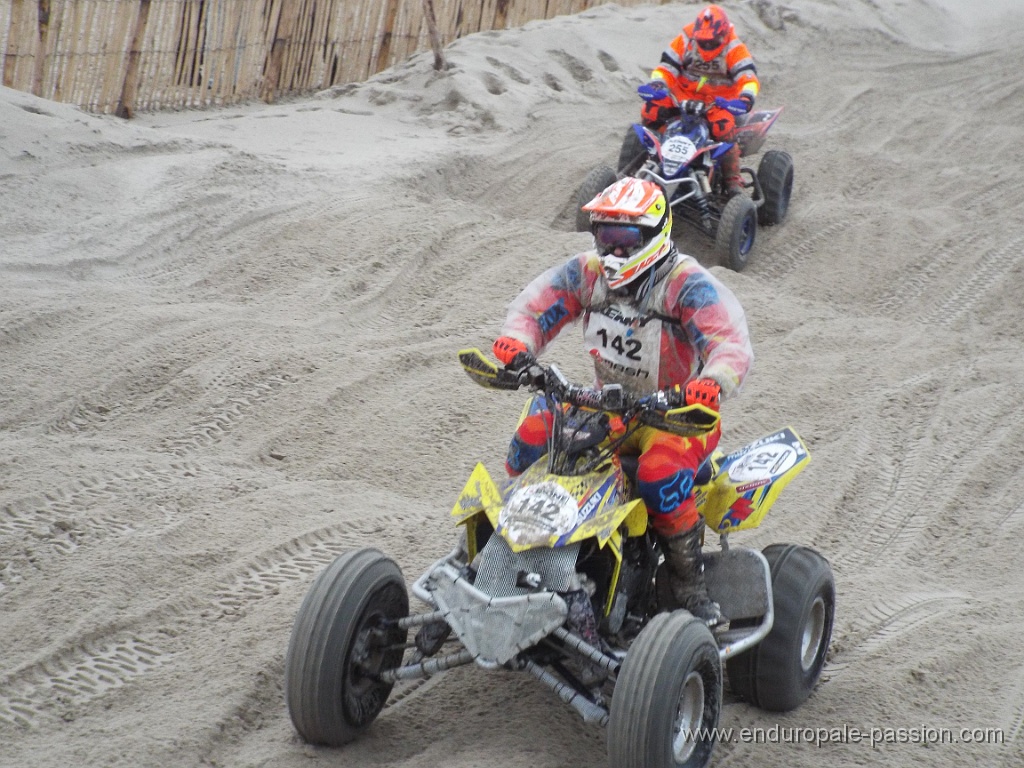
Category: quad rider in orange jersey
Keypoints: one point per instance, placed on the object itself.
(653, 320)
(707, 62)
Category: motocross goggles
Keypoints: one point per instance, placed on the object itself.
(608, 237)
(709, 45)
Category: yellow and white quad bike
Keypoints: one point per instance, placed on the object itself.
(556, 575)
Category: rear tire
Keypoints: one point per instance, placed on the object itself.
(596, 182)
(632, 154)
(737, 230)
(670, 685)
(779, 673)
(776, 176)
(341, 640)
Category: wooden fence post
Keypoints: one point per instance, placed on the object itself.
(42, 35)
(126, 104)
(283, 33)
(13, 39)
(501, 14)
(435, 37)
(388, 31)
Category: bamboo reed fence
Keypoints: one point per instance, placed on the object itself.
(123, 56)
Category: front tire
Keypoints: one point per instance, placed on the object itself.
(776, 176)
(596, 182)
(779, 673)
(343, 637)
(737, 230)
(668, 697)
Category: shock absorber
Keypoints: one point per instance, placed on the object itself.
(701, 203)
(702, 179)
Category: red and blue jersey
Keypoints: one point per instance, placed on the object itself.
(691, 325)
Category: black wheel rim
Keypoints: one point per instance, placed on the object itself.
(747, 233)
(378, 645)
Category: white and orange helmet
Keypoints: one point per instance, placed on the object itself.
(632, 226)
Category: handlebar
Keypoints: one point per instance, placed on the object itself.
(657, 90)
(656, 409)
(609, 398)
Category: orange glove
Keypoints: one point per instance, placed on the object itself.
(704, 391)
(506, 349)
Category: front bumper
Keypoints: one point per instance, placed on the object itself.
(493, 629)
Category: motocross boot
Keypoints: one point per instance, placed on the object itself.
(685, 566)
(729, 166)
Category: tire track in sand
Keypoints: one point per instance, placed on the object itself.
(113, 657)
(890, 620)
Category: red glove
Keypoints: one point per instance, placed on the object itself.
(506, 348)
(704, 391)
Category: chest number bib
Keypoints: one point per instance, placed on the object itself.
(626, 349)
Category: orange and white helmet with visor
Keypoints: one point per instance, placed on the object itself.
(632, 226)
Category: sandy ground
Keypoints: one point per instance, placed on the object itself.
(228, 337)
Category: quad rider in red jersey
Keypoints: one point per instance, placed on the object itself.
(653, 320)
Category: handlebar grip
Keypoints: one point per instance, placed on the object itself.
(585, 398)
